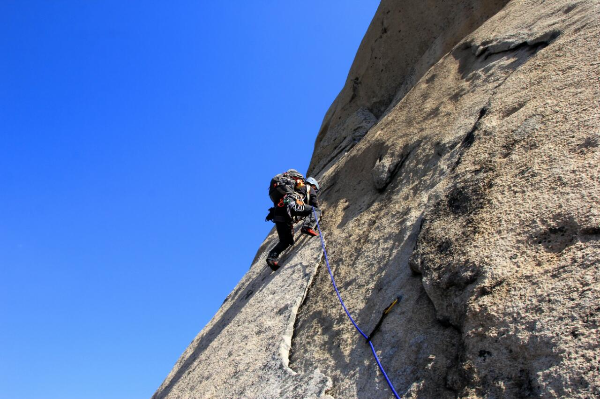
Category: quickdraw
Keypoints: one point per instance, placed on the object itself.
(385, 313)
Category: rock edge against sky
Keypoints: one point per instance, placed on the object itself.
(459, 167)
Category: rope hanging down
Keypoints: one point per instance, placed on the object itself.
(348, 313)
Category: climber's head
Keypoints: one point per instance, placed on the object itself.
(313, 182)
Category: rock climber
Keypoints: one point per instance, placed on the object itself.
(293, 199)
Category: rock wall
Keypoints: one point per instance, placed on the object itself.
(403, 41)
(459, 170)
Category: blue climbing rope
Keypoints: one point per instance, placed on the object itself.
(348, 313)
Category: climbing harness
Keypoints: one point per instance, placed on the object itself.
(348, 313)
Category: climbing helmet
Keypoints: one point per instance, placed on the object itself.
(312, 181)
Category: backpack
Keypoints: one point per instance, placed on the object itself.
(280, 186)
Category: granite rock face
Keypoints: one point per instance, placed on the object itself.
(403, 41)
(461, 171)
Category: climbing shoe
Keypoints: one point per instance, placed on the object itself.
(309, 231)
(273, 264)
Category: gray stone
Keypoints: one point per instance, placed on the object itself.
(475, 195)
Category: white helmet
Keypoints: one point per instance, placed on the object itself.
(313, 181)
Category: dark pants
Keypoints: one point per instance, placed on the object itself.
(285, 230)
(310, 221)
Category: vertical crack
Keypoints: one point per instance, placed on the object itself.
(290, 333)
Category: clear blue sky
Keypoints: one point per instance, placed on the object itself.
(137, 139)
